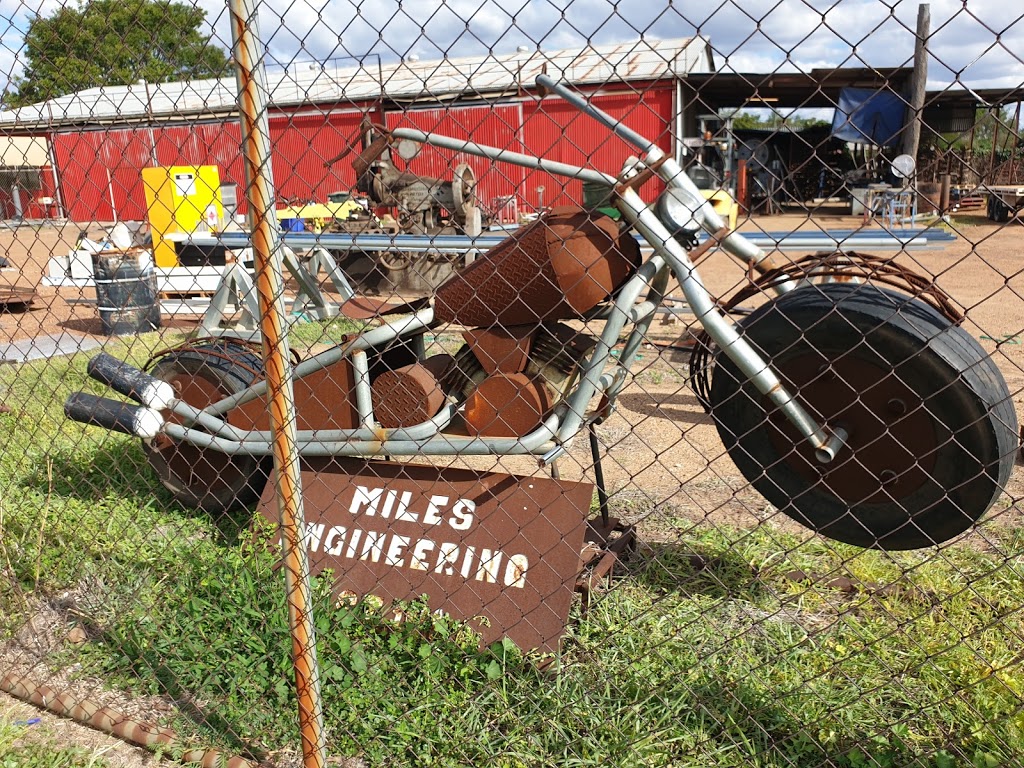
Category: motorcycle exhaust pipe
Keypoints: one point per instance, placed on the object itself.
(117, 416)
(131, 382)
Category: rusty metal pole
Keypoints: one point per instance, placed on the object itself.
(250, 72)
(742, 188)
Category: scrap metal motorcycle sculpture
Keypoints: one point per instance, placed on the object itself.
(861, 411)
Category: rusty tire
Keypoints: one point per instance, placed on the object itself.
(933, 431)
(203, 478)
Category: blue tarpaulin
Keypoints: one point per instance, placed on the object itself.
(869, 117)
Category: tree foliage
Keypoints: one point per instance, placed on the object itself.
(776, 121)
(999, 125)
(114, 42)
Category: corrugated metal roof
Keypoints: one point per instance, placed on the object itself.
(314, 82)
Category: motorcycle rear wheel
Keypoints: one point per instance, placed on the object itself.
(932, 428)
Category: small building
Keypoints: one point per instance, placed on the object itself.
(27, 181)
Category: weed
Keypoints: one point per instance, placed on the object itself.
(41, 752)
(309, 333)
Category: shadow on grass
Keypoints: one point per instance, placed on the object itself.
(689, 569)
(205, 719)
(119, 468)
(756, 725)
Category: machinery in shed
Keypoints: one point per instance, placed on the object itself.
(402, 202)
(424, 205)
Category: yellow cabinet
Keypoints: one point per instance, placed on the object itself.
(180, 198)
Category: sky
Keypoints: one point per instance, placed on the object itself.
(973, 43)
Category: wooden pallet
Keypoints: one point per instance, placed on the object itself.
(185, 295)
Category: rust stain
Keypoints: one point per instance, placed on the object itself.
(633, 64)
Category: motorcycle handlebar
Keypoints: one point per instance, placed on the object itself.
(671, 173)
(577, 100)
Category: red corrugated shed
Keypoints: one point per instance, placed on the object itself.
(48, 191)
(555, 130)
(305, 140)
(303, 143)
(83, 175)
(33, 205)
(100, 172)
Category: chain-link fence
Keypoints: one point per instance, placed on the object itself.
(542, 384)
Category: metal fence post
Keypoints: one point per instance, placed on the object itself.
(252, 101)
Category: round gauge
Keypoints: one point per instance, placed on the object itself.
(680, 209)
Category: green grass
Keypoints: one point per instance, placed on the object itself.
(16, 752)
(304, 334)
(705, 654)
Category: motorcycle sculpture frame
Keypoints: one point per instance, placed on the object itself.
(681, 210)
(550, 439)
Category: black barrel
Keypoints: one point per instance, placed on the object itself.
(126, 294)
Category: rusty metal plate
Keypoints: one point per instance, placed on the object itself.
(479, 544)
(16, 298)
(365, 307)
(891, 433)
(558, 267)
(501, 350)
(324, 399)
(411, 394)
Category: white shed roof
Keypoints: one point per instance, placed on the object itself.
(315, 82)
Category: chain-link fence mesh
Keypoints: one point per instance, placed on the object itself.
(565, 498)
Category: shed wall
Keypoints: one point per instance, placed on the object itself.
(100, 169)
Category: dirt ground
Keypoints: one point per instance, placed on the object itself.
(665, 461)
(45, 729)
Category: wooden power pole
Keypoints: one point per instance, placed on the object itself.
(918, 80)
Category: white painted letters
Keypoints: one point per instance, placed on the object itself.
(398, 550)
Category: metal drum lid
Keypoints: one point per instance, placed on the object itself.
(507, 405)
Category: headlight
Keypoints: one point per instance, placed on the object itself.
(680, 211)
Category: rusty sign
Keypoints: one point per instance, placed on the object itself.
(479, 544)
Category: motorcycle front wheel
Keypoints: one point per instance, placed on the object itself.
(932, 428)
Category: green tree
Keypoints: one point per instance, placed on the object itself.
(745, 121)
(999, 124)
(114, 42)
(775, 121)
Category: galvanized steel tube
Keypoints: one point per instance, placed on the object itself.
(408, 325)
(729, 340)
(539, 441)
(221, 428)
(505, 156)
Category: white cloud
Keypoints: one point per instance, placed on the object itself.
(978, 43)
